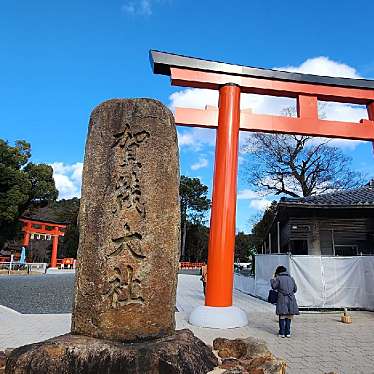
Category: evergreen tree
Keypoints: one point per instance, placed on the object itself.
(23, 186)
(194, 205)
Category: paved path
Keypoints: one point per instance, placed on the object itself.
(320, 343)
(36, 294)
(18, 329)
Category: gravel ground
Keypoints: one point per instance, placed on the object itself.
(37, 294)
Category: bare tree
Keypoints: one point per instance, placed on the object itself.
(297, 165)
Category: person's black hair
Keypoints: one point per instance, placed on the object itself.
(280, 269)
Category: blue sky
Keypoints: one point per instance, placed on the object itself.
(59, 59)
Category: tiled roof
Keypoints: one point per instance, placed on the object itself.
(363, 196)
(45, 214)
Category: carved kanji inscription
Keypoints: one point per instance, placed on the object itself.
(129, 241)
(124, 287)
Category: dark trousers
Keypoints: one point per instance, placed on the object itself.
(284, 326)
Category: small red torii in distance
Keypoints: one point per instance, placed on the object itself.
(31, 226)
(232, 80)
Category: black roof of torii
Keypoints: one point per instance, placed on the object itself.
(162, 62)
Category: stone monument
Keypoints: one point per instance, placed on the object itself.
(129, 219)
(124, 309)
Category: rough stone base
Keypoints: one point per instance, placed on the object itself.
(2, 362)
(247, 356)
(68, 354)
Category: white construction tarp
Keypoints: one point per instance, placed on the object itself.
(244, 284)
(322, 281)
(308, 275)
(265, 266)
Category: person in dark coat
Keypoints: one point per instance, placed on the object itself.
(286, 303)
(204, 276)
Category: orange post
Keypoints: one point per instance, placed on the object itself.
(222, 224)
(370, 109)
(307, 106)
(26, 234)
(54, 251)
(26, 239)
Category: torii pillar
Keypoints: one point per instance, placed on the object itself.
(230, 80)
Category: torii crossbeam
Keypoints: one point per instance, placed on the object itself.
(232, 80)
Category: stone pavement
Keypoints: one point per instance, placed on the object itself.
(38, 294)
(19, 329)
(320, 342)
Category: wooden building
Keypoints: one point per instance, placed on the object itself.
(337, 224)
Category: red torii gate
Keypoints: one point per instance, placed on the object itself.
(53, 229)
(232, 80)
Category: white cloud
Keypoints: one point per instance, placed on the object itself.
(260, 204)
(261, 104)
(241, 159)
(193, 98)
(256, 202)
(138, 7)
(196, 138)
(128, 8)
(323, 66)
(202, 163)
(247, 194)
(68, 179)
(185, 139)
